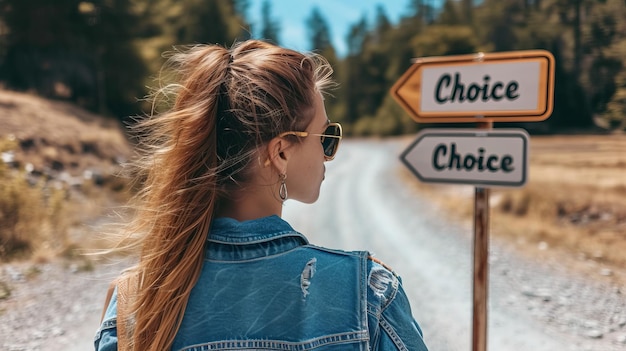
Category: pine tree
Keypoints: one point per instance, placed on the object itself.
(78, 51)
(270, 28)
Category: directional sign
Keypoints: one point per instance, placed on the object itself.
(469, 156)
(515, 86)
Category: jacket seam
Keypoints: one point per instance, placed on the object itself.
(237, 240)
(363, 309)
(307, 245)
(254, 259)
(336, 252)
(267, 344)
(395, 338)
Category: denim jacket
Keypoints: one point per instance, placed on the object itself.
(264, 287)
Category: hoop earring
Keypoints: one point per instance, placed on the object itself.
(282, 190)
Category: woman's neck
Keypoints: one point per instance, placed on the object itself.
(250, 204)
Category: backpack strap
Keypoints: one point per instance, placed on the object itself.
(123, 302)
(108, 299)
(123, 287)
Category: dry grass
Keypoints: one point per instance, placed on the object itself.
(62, 180)
(574, 202)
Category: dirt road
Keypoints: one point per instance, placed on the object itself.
(533, 304)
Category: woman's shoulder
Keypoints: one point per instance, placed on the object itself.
(383, 284)
(378, 278)
(373, 263)
(338, 252)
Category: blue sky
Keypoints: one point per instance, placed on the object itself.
(340, 14)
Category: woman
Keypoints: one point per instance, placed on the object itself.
(218, 268)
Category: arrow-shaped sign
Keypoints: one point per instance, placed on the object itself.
(469, 156)
(515, 86)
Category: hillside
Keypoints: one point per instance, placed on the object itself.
(59, 174)
(57, 137)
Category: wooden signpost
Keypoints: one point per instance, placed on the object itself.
(480, 88)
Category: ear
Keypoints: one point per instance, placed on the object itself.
(279, 152)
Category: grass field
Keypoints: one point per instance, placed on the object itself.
(573, 203)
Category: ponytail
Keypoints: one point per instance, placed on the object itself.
(178, 198)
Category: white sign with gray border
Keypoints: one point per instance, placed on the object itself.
(482, 158)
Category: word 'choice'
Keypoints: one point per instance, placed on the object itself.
(449, 90)
(442, 159)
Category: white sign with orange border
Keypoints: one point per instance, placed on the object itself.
(513, 86)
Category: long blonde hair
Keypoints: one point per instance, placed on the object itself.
(227, 103)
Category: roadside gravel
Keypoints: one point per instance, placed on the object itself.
(584, 309)
(53, 306)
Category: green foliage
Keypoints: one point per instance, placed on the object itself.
(364, 126)
(320, 42)
(191, 23)
(393, 120)
(615, 114)
(77, 51)
(450, 14)
(102, 53)
(439, 40)
(270, 28)
(319, 30)
(390, 119)
(606, 79)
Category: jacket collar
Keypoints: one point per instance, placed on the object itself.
(231, 231)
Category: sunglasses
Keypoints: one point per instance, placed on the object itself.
(330, 139)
